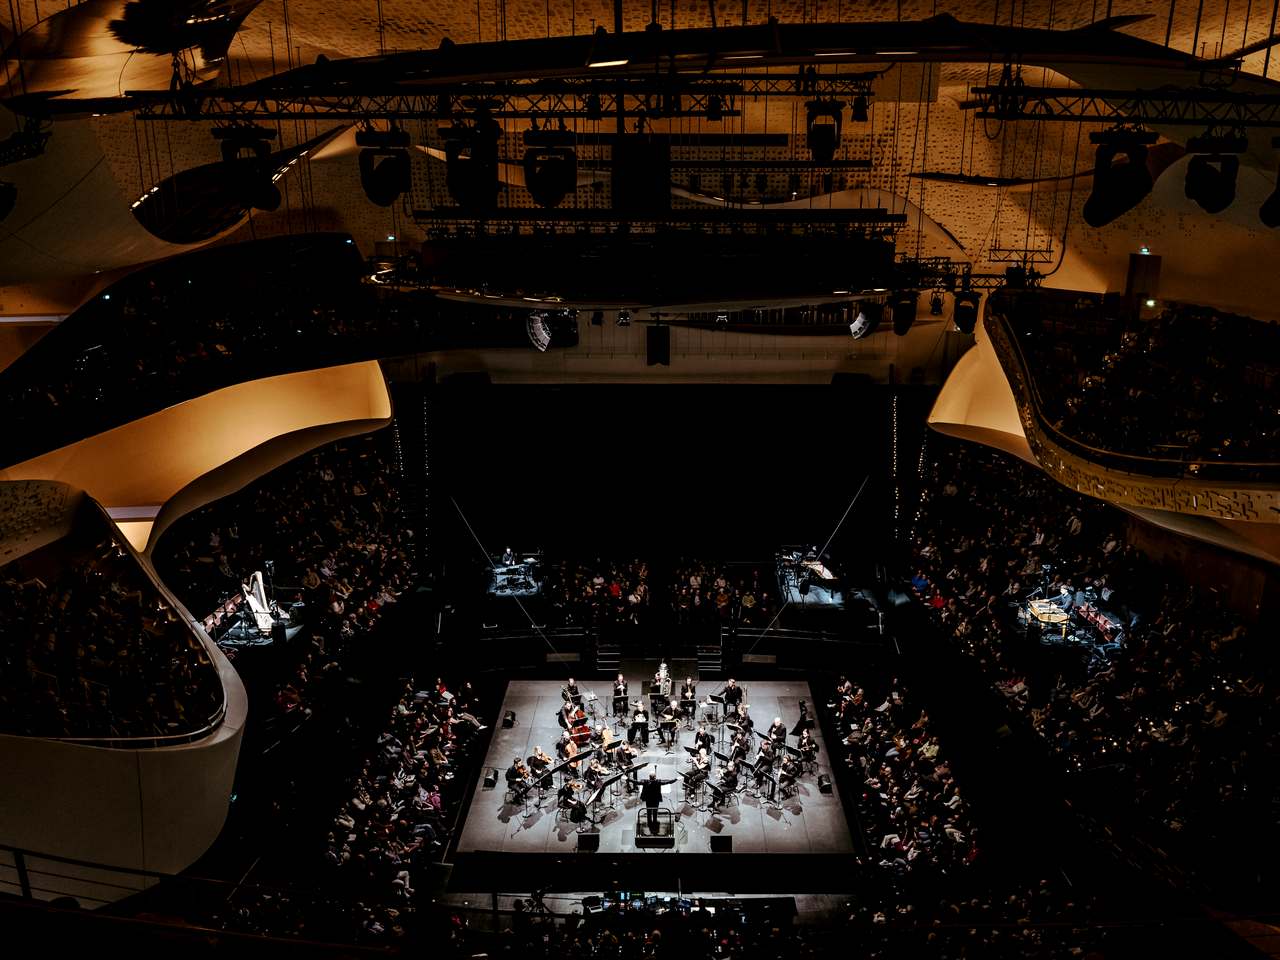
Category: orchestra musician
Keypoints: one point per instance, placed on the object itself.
(667, 723)
(767, 756)
(627, 757)
(744, 719)
(540, 763)
(729, 777)
(516, 773)
(689, 700)
(571, 752)
(787, 777)
(639, 725)
(689, 691)
(580, 729)
(662, 680)
(568, 800)
(563, 744)
(620, 696)
(701, 764)
(703, 740)
(808, 746)
(597, 735)
(565, 716)
(741, 746)
(570, 692)
(732, 694)
(595, 773)
(778, 732)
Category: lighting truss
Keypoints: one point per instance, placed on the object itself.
(638, 96)
(1190, 107)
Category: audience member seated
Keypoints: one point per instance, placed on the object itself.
(600, 592)
(330, 522)
(1191, 384)
(705, 593)
(1183, 709)
(89, 647)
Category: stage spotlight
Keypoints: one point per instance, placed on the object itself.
(8, 197)
(471, 161)
(858, 111)
(868, 318)
(550, 164)
(1120, 176)
(715, 108)
(591, 106)
(904, 310)
(1211, 181)
(624, 318)
(965, 313)
(384, 164)
(823, 128)
(935, 304)
(246, 153)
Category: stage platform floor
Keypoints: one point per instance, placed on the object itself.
(810, 822)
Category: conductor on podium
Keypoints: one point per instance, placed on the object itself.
(651, 794)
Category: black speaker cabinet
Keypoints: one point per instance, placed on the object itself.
(824, 783)
(588, 842)
(658, 339)
(721, 843)
(509, 719)
(491, 778)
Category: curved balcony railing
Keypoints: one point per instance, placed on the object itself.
(1003, 334)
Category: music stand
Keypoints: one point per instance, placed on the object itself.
(620, 705)
(714, 698)
(688, 708)
(667, 733)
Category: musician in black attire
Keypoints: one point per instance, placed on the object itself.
(778, 731)
(627, 757)
(787, 777)
(667, 723)
(808, 746)
(767, 755)
(728, 783)
(744, 720)
(620, 696)
(568, 800)
(565, 716)
(732, 694)
(570, 692)
(741, 746)
(562, 746)
(703, 740)
(639, 726)
(651, 794)
(515, 772)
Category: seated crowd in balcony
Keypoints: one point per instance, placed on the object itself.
(331, 524)
(89, 647)
(706, 592)
(1185, 707)
(1190, 384)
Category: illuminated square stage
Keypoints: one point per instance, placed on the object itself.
(808, 823)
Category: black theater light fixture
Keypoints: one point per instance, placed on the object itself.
(904, 310)
(824, 119)
(1212, 170)
(471, 160)
(550, 164)
(246, 155)
(1268, 213)
(858, 110)
(715, 107)
(935, 304)
(965, 313)
(1121, 178)
(384, 164)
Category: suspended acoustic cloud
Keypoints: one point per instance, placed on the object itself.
(201, 203)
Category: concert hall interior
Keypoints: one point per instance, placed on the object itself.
(620, 479)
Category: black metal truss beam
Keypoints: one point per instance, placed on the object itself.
(859, 216)
(1190, 107)
(654, 98)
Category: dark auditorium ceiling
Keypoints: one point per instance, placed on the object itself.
(981, 192)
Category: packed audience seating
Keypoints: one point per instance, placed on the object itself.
(1191, 384)
(89, 648)
(910, 805)
(402, 807)
(704, 592)
(1010, 918)
(600, 592)
(1185, 710)
(331, 523)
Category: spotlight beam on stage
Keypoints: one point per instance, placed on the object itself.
(840, 524)
(493, 566)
